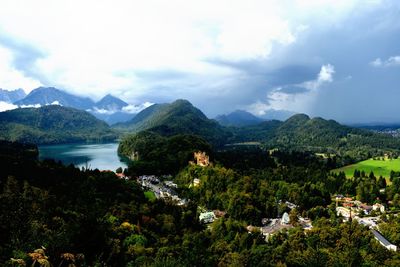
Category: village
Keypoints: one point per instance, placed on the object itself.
(365, 214)
(346, 207)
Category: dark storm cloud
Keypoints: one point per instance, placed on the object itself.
(359, 92)
(292, 90)
(234, 62)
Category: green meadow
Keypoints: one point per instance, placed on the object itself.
(150, 195)
(379, 167)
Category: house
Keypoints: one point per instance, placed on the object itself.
(378, 207)
(196, 182)
(290, 205)
(366, 208)
(384, 242)
(219, 213)
(121, 175)
(207, 217)
(285, 219)
(251, 229)
(345, 212)
(171, 184)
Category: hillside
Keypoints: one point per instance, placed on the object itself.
(179, 117)
(238, 118)
(155, 154)
(300, 132)
(52, 124)
(49, 95)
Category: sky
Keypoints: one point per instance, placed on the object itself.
(338, 59)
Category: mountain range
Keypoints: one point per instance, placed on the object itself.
(109, 109)
(49, 95)
(52, 124)
(298, 132)
(11, 96)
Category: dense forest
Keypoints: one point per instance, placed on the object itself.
(56, 215)
(299, 132)
(60, 215)
(154, 154)
(53, 125)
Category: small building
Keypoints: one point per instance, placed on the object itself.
(291, 205)
(251, 229)
(171, 184)
(345, 212)
(196, 182)
(219, 213)
(207, 217)
(366, 208)
(384, 242)
(285, 218)
(378, 207)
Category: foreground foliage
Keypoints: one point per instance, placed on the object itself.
(92, 218)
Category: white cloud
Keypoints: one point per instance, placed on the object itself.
(390, 62)
(11, 78)
(280, 99)
(56, 103)
(6, 106)
(324, 76)
(97, 47)
(31, 106)
(133, 109)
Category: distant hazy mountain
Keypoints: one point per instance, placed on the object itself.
(238, 118)
(52, 124)
(11, 96)
(50, 95)
(114, 117)
(279, 115)
(111, 103)
(179, 117)
(110, 110)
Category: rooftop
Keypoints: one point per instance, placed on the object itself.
(380, 238)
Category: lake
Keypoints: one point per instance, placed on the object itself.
(92, 156)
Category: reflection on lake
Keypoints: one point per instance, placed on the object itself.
(92, 156)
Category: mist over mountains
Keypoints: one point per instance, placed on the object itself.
(109, 109)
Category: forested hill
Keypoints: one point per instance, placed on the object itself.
(300, 132)
(52, 124)
(179, 117)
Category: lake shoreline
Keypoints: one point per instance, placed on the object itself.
(102, 156)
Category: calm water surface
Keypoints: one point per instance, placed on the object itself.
(93, 156)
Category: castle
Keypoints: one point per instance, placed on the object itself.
(201, 159)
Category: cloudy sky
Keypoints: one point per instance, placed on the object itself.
(337, 59)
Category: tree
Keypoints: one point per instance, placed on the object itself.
(294, 217)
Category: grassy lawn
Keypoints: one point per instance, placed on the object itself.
(379, 167)
(150, 195)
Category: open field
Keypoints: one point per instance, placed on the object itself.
(379, 167)
(150, 195)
